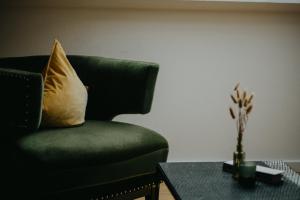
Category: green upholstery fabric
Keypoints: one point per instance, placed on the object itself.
(115, 86)
(93, 154)
(94, 143)
(21, 100)
(55, 181)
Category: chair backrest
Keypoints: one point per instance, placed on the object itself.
(115, 86)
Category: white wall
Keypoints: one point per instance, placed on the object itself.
(201, 56)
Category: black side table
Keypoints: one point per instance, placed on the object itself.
(207, 180)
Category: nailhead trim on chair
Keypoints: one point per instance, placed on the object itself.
(27, 97)
(125, 192)
(27, 101)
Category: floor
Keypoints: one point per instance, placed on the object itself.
(164, 193)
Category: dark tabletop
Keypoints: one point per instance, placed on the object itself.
(207, 180)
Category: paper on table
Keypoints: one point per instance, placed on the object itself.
(265, 170)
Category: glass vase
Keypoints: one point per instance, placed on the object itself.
(238, 159)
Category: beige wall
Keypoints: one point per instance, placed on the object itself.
(201, 56)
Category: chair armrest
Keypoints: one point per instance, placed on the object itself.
(116, 86)
(21, 99)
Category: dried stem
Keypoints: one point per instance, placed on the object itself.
(244, 106)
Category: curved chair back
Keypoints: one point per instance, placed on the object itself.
(115, 86)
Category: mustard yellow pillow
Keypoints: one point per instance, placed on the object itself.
(65, 96)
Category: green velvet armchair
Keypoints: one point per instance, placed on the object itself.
(102, 159)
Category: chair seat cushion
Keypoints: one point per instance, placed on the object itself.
(94, 143)
(94, 154)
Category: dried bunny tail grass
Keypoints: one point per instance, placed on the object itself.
(232, 113)
(245, 102)
(249, 109)
(237, 93)
(233, 99)
(250, 98)
(240, 103)
(236, 86)
(244, 95)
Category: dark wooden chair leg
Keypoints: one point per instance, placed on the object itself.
(154, 194)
